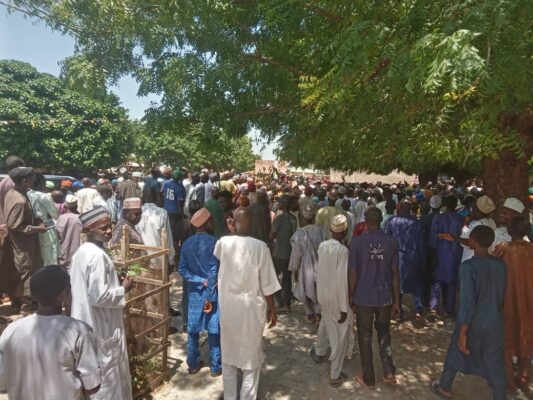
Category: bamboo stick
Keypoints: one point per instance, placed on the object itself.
(148, 294)
(152, 328)
(165, 297)
(143, 313)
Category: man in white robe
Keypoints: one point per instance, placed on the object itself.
(98, 299)
(86, 196)
(511, 209)
(332, 292)
(304, 261)
(48, 355)
(152, 222)
(247, 282)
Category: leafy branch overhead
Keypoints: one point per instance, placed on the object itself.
(412, 84)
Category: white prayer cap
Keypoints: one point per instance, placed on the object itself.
(514, 204)
(132, 203)
(485, 204)
(435, 201)
(339, 223)
(71, 199)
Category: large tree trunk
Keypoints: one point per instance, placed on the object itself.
(508, 175)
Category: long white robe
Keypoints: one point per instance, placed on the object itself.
(85, 199)
(48, 357)
(332, 294)
(468, 253)
(245, 277)
(304, 260)
(153, 220)
(98, 299)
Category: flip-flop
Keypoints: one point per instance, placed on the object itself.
(361, 381)
(435, 386)
(335, 383)
(390, 381)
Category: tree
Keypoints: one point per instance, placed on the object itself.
(192, 149)
(350, 84)
(55, 128)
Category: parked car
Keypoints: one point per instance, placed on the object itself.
(52, 178)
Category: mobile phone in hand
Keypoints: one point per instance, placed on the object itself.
(49, 223)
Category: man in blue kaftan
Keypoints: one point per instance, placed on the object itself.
(407, 231)
(449, 254)
(476, 347)
(199, 268)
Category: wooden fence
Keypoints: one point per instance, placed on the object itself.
(146, 327)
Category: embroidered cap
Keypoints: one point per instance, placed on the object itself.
(132, 203)
(339, 223)
(90, 217)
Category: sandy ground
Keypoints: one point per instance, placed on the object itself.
(289, 373)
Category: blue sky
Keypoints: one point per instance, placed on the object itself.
(35, 43)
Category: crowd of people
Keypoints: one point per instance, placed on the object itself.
(247, 247)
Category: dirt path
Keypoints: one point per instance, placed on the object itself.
(289, 373)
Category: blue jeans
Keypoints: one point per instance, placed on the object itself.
(448, 293)
(417, 298)
(193, 351)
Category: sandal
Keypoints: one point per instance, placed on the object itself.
(196, 370)
(361, 381)
(522, 385)
(316, 358)
(311, 318)
(435, 388)
(390, 380)
(335, 383)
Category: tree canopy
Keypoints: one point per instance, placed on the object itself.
(349, 84)
(56, 128)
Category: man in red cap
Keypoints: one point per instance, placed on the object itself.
(199, 268)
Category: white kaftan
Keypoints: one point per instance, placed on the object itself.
(49, 357)
(153, 220)
(44, 208)
(304, 260)
(245, 277)
(98, 299)
(332, 293)
(86, 197)
(468, 253)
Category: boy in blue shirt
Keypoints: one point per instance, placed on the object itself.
(477, 342)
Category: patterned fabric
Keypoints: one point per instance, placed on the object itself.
(198, 265)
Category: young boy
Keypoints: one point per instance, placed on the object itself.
(48, 355)
(477, 342)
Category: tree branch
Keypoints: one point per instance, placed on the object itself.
(381, 66)
(270, 61)
(268, 110)
(324, 13)
(38, 13)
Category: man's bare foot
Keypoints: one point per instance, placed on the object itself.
(361, 381)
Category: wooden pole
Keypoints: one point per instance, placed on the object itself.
(164, 299)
